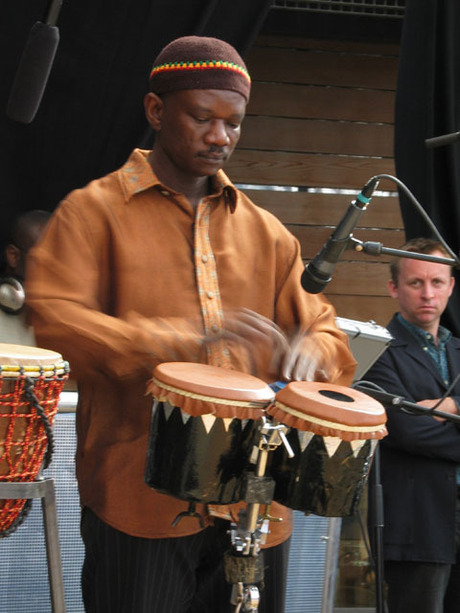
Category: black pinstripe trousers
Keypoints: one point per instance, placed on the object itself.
(125, 574)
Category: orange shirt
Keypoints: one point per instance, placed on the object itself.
(129, 275)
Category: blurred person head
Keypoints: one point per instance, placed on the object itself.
(24, 233)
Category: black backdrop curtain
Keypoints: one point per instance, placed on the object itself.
(91, 114)
(427, 105)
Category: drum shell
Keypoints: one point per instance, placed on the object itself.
(188, 462)
(313, 481)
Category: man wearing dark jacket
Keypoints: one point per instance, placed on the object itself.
(421, 455)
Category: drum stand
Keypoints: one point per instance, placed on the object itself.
(44, 489)
(244, 563)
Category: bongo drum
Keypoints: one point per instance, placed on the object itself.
(333, 433)
(204, 423)
(31, 380)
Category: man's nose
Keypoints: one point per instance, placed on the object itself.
(427, 290)
(217, 134)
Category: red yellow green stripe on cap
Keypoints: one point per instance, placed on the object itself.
(172, 67)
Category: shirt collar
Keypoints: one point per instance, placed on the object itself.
(444, 335)
(137, 176)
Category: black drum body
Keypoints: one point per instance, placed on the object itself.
(198, 459)
(313, 481)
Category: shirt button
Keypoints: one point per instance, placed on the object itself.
(215, 328)
(210, 295)
(425, 349)
(204, 258)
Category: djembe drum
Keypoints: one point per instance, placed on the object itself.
(204, 422)
(333, 433)
(31, 380)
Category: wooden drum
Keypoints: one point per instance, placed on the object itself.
(31, 380)
(333, 433)
(203, 427)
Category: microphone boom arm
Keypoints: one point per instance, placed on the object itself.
(375, 248)
(392, 400)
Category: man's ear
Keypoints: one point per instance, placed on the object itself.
(13, 256)
(153, 105)
(392, 288)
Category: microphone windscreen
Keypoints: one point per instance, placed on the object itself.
(33, 72)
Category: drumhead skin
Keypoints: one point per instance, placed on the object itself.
(329, 410)
(201, 388)
(33, 361)
(24, 355)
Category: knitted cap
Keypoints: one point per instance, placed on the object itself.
(199, 62)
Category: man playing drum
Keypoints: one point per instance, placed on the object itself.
(165, 260)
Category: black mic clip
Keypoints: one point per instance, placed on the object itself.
(318, 272)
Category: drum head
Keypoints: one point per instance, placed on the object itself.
(33, 361)
(201, 388)
(329, 410)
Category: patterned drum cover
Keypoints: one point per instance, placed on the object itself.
(203, 427)
(333, 433)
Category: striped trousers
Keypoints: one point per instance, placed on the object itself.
(126, 574)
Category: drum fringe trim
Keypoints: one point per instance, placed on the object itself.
(200, 404)
(297, 419)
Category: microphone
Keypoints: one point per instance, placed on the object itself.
(318, 272)
(34, 68)
(439, 141)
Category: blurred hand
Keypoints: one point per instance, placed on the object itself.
(303, 360)
(256, 333)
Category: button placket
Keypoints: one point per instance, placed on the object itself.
(208, 287)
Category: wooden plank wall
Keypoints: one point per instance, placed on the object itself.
(321, 116)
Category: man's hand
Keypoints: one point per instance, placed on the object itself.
(302, 360)
(448, 405)
(256, 333)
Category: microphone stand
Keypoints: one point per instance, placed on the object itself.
(375, 248)
(392, 400)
